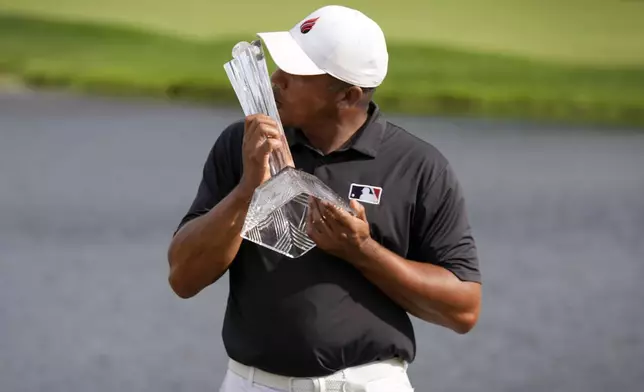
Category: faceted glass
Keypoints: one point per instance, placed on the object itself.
(276, 217)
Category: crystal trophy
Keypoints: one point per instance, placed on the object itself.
(277, 214)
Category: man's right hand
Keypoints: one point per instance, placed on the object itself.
(261, 137)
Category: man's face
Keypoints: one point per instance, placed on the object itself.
(303, 100)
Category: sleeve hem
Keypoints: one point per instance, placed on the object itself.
(466, 276)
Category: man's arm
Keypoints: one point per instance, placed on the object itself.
(202, 249)
(427, 291)
(439, 281)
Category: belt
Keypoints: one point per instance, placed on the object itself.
(274, 381)
(362, 373)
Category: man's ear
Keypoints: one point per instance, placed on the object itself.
(351, 97)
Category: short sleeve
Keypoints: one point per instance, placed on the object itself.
(220, 174)
(441, 232)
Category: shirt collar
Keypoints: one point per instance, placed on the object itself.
(366, 140)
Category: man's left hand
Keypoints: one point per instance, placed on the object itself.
(336, 231)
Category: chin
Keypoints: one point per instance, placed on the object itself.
(284, 118)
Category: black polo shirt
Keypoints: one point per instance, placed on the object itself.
(316, 314)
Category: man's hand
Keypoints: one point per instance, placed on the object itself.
(336, 231)
(429, 292)
(261, 137)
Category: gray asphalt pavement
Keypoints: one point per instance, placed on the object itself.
(91, 190)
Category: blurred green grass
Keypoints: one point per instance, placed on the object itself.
(608, 32)
(424, 78)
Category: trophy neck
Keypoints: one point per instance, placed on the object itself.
(248, 75)
(281, 158)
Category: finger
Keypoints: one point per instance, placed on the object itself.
(269, 130)
(359, 209)
(259, 120)
(269, 145)
(334, 222)
(313, 232)
(257, 117)
(330, 214)
(339, 215)
(249, 126)
(318, 218)
(248, 120)
(262, 132)
(324, 212)
(262, 117)
(310, 221)
(264, 151)
(256, 124)
(309, 213)
(260, 146)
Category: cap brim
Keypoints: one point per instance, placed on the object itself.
(288, 55)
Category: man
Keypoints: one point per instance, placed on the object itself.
(335, 319)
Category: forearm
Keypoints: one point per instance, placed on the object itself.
(202, 250)
(427, 291)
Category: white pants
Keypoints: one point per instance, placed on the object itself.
(387, 376)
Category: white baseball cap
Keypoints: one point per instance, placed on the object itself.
(334, 40)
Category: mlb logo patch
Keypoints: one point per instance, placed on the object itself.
(365, 193)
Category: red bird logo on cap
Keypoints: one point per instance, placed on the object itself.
(307, 25)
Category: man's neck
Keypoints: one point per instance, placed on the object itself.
(328, 136)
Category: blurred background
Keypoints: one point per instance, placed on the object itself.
(109, 108)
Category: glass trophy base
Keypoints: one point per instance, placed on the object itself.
(277, 216)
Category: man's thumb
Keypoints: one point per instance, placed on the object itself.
(359, 209)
